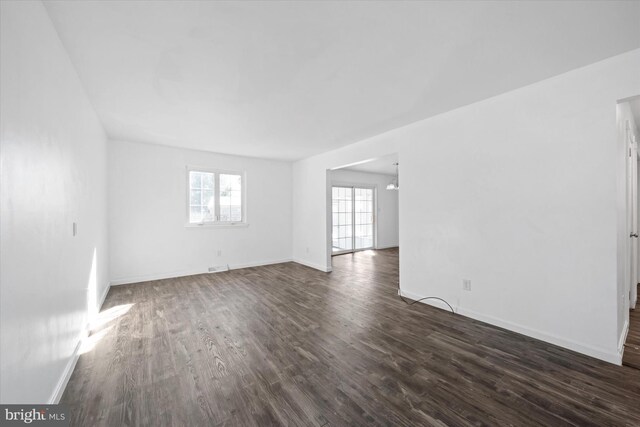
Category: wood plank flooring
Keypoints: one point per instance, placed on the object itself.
(631, 355)
(289, 345)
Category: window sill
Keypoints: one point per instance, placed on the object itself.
(223, 225)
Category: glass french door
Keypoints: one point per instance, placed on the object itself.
(353, 219)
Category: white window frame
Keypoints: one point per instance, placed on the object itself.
(216, 196)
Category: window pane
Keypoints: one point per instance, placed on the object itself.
(230, 182)
(208, 215)
(346, 242)
(195, 179)
(230, 197)
(364, 219)
(207, 181)
(235, 198)
(201, 196)
(195, 214)
(195, 197)
(225, 212)
(207, 199)
(236, 213)
(342, 217)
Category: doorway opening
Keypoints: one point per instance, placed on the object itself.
(629, 135)
(628, 123)
(363, 214)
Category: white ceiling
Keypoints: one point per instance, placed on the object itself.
(383, 165)
(291, 79)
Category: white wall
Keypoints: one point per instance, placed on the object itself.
(517, 193)
(147, 214)
(53, 174)
(386, 201)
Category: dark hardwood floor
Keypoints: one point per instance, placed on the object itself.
(289, 345)
(631, 355)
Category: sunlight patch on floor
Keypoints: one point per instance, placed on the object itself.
(90, 342)
(109, 314)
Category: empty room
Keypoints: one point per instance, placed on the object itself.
(319, 213)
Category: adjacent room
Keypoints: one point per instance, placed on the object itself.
(319, 213)
(364, 206)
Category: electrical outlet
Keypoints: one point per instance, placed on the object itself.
(466, 285)
(307, 249)
(75, 229)
(219, 253)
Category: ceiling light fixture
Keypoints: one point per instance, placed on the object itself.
(395, 184)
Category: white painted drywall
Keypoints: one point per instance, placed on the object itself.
(53, 174)
(147, 213)
(386, 201)
(517, 193)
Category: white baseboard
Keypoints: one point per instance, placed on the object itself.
(103, 296)
(71, 364)
(259, 264)
(157, 276)
(192, 272)
(68, 370)
(387, 247)
(313, 265)
(614, 357)
(623, 339)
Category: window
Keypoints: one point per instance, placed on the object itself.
(215, 197)
(230, 197)
(352, 218)
(201, 197)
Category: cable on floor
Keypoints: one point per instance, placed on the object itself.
(422, 299)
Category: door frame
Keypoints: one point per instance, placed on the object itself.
(632, 212)
(631, 217)
(374, 202)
